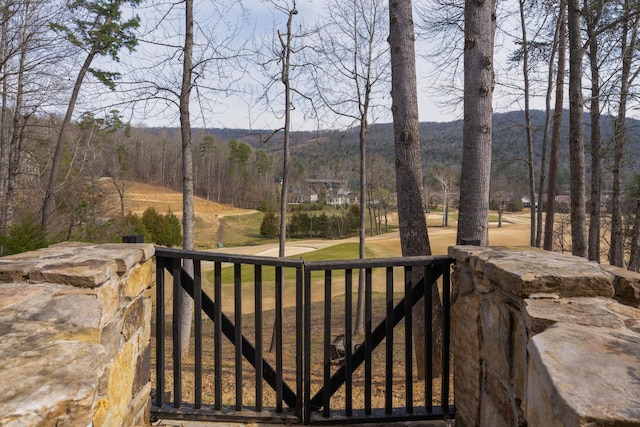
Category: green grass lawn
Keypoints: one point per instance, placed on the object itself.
(247, 272)
(335, 252)
(243, 230)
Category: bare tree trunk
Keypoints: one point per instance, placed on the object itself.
(557, 124)
(102, 36)
(592, 18)
(473, 219)
(634, 259)
(187, 174)
(286, 68)
(527, 120)
(4, 138)
(545, 140)
(414, 239)
(19, 122)
(49, 201)
(576, 133)
(628, 47)
(359, 326)
(286, 43)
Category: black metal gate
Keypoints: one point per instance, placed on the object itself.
(315, 362)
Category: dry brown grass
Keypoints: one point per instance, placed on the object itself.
(209, 215)
(378, 362)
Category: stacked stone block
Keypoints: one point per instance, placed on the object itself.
(541, 339)
(75, 324)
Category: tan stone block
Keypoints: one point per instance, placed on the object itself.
(581, 311)
(109, 295)
(143, 251)
(76, 272)
(588, 374)
(143, 370)
(626, 284)
(121, 376)
(124, 255)
(140, 406)
(18, 295)
(100, 412)
(519, 339)
(111, 337)
(148, 313)
(624, 310)
(463, 254)
(133, 318)
(524, 273)
(462, 282)
(490, 415)
(539, 409)
(81, 310)
(482, 285)
(140, 278)
(14, 271)
(495, 331)
(465, 341)
(497, 401)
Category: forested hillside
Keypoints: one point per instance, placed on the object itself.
(242, 167)
(333, 154)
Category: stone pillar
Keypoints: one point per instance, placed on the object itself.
(529, 333)
(75, 327)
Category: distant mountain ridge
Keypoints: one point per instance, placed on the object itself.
(441, 141)
(314, 151)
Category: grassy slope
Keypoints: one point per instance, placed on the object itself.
(234, 227)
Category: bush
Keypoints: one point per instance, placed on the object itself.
(353, 219)
(264, 206)
(26, 236)
(515, 205)
(173, 227)
(269, 226)
(163, 230)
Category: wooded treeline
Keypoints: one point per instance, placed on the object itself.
(60, 60)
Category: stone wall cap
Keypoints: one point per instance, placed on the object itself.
(590, 374)
(74, 263)
(626, 284)
(523, 273)
(593, 312)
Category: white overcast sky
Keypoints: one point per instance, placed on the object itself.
(260, 20)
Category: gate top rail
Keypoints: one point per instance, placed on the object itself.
(354, 264)
(377, 262)
(229, 258)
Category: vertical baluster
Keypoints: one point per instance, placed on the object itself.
(177, 351)
(327, 344)
(197, 332)
(278, 336)
(258, 325)
(160, 333)
(368, 292)
(348, 346)
(446, 317)
(299, 355)
(307, 347)
(237, 295)
(408, 348)
(217, 335)
(388, 391)
(428, 340)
